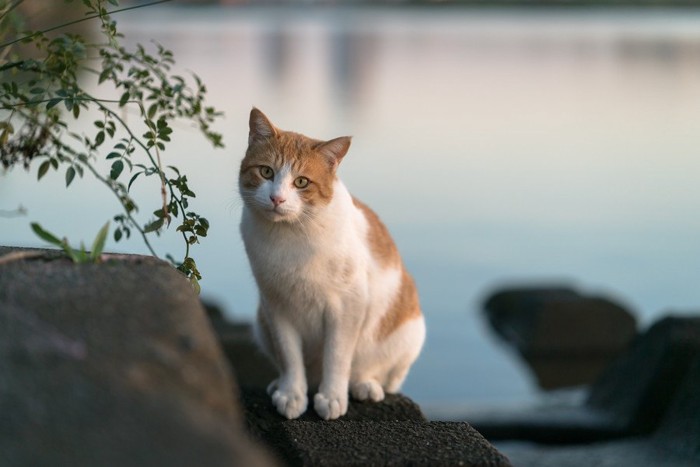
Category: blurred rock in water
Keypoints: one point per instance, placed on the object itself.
(566, 338)
(642, 412)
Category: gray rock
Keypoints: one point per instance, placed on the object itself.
(638, 387)
(650, 396)
(631, 397)
(260, 413)
(249, 364)
(391, 433)
(680, 428)
(112, 364)
(565, 338)
(401, 443)
(676, 442)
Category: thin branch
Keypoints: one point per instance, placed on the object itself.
(75, 99)
(128, 214)
(87, 18)
(10, 8)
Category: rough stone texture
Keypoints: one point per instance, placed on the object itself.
(676, 442)
(391, 433)
(680, 428)
(653, 391)
(366, 443)
(631, 453)
(112, 364)
(567, 339)
(260, 413)
(630, 398)
(638, 387)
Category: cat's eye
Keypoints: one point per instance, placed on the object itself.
(266, 172)
(301, 182)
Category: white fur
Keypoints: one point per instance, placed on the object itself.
(281, 186)
(323, 295)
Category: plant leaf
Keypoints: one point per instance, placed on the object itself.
(99, 244)
(132, 180)
(43, 168)
(53, 103)
(123, 100)
(72, 254)
(117, 168)
(70, 175)
(45, 235)
(153, 226)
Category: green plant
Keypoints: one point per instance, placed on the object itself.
(78, 256)
(46, 86)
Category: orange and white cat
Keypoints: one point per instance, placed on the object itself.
(338, 312)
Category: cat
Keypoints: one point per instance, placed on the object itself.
(338, 311)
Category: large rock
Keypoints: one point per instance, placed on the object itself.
(393, 432)
(566, 339)
(631, 398)
(638, 387)
(112, 364)
(390, 433)
(249, 364)
(680, 427)
(655, 388)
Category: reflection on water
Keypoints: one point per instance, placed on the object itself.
(498, 146)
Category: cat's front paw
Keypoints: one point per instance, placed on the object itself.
(330, 406)
(367, 390)
(290, 403)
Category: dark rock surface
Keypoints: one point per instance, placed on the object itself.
(117, 364)
(261, 414)
(631, 397)
(638, 388)
(567, 339)
(390, 433)
(364, 443)
(112, 364)
(680, 431)
(393, 432)
(650, 396)
(249, 364)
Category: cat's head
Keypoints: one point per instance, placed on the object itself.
(286, 176)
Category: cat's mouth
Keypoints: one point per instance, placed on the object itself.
(276, 214)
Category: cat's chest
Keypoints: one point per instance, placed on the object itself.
(286, 260)
(301, 259)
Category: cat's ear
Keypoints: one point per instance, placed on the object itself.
(335, 149)
(260, 127)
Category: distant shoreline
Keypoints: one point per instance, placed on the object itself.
(456, 3)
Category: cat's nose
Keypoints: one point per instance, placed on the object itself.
(277, 200)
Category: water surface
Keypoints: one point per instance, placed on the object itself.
(500, 147)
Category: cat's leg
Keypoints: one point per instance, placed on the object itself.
(367, 389)
(289, 390)
(406, 344)
(396, 377)
(261, 336)
(341, 331)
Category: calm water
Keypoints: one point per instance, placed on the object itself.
(500, 147)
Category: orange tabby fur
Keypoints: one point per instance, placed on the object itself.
(338, 310)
